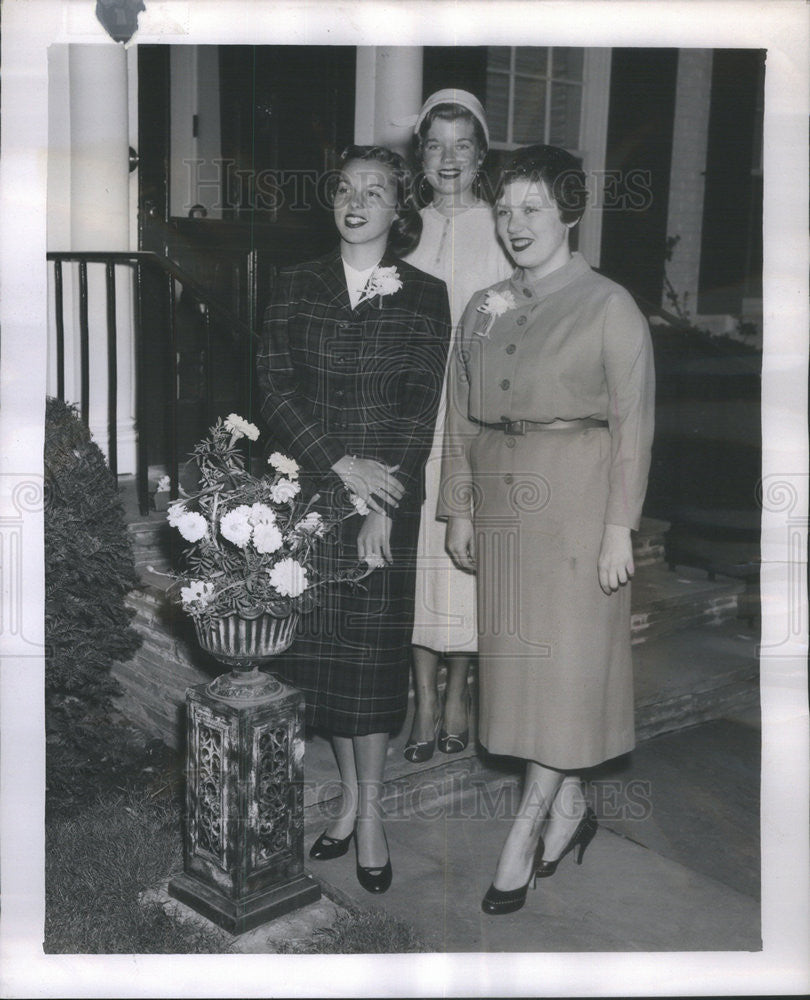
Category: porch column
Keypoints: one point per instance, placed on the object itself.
(388, 89)
(687, 181)
(98, 214)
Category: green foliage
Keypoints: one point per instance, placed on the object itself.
(88, 570)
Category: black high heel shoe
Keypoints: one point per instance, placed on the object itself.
(582, 836)
(326, 848)
(376, 879)
(450, 743)
(416, 751)
(498, 902)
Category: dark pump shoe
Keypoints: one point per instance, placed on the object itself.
(326, 848)
(583, 835)
(375, 879)
(498, 902)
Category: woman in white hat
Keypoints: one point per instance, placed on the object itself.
(458, 245)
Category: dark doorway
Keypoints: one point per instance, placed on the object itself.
(286, 114)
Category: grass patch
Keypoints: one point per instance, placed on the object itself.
(96, 864)
(366, 932)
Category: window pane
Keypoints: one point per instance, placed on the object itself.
(498, 57)
(497, 105)
(566, 100)
(531, 60)
(530, 111)
(567, 63)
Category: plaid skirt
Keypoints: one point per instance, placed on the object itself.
(352, 654)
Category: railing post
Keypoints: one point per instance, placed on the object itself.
(142, 462)
(84, 335)
(59, 305)
(112, 371)
(174, 462)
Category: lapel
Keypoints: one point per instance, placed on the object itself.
(334, 279)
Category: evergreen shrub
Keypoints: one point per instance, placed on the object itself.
(89, 569)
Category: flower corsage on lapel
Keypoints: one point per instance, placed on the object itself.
(494, 304)
(383, 281)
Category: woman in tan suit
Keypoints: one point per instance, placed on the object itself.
(547, 451)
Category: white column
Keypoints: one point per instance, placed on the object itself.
(687, 181)
(388, 89)
(98, 214)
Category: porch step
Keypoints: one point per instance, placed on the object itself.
(665, 602)
(649, 542)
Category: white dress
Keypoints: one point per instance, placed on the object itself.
(464, 252)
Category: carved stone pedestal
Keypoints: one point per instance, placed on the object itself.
(243, 848)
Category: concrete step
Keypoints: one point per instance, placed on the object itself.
(665, 602)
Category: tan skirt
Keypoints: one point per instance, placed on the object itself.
(556, 677)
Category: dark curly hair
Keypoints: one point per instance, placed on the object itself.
(558, 169)
(407, 227)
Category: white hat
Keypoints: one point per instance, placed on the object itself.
(450, 96)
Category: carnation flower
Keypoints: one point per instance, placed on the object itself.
(497, 303)
(359, 504)
(260, 513)
(383, 281)
(284, 490)
(174, 513)
(286, 466)
(197, 592)
(312, 523)
(267, 537)
(235, 525)
(288, 577)
(239, 427)
(192, 526)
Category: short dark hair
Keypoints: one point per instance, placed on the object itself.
(558, 169)
(407, 227)
(450, 112)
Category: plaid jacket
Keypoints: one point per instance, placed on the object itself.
(366, 382)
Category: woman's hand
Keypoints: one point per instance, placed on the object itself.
(615, 563)
(374, 540)
(370, 479)
(460, 542)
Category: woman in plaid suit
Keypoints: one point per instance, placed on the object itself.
(351, 368)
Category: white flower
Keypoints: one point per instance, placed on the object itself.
(497, 303)
(312, 523)
(260, 513)
(197, 592)
(235, 525)
(374, 560)
(286, 466)
(383, 281)
(192, 526)
(164, 485)
(359, 504)
(289, 577)
(175, 513)
(267, 537)
(284, 490)
(240, 427)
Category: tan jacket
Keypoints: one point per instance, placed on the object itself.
(571, 345)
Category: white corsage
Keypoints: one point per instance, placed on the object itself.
(383, 281)
(494, 304)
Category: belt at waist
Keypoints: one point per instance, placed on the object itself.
(522, 426)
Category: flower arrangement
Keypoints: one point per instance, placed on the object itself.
(252, 539)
